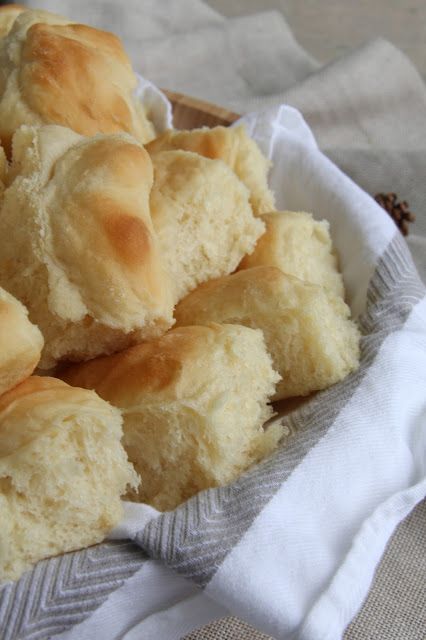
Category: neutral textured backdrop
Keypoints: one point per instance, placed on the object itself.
(329, 28)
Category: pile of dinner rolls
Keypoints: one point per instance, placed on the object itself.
(152, 286)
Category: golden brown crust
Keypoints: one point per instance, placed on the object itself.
(63, 78)
(233, 146)
(129, 237)
(152, 367)
(219, 143)
(307, 329)
(58, 72)
(194, 403)
(101, 286)
(33, 392)
(299, 245)
(118, 230)
(30, 386)
(20, 343)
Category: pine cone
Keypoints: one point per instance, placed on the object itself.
(398, 211)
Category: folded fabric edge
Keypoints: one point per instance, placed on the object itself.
(331, 614)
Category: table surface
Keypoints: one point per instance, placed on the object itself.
(330, 28)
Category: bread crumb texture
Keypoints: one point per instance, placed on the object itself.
(299, 245)
(307, 329)
(77, 244)
(194, 403)
(235, 148)
(21, 342)
(62, 472)
(203, 218)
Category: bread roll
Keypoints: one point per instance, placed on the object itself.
(8, 15)
(235, 148)
(77, 245)
(307, 329)
(194, 402)
(202, 216)
(53, 71)
(300, 246)
(20, 343)
(62, 471)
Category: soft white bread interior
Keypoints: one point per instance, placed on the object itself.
(235, 148)
(77, 244)
(53, 71)
(194, 402)
(300, 246)
(307, 329)
(203, 218)
(20, 342)
(62, 472)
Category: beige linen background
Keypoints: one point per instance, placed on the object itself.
(367, 109)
